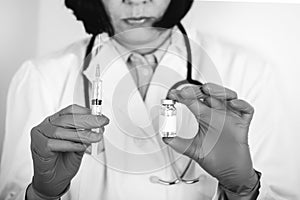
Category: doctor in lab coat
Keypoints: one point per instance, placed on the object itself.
(45, 142)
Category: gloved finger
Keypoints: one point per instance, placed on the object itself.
(181, 145)
(76, 135)
(214, 103)
(84, 121)
(186, 93)
(56, 145)
(218, 91)
(71, 109)
(80, 136)
(75, 109)
(243, 107)
(189, 97)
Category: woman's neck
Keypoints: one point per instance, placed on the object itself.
(148, 47)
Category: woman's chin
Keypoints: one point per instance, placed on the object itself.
(138, 36)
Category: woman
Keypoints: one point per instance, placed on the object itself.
(134, 161)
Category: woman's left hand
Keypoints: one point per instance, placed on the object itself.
(221, 144)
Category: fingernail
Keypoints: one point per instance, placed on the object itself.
(100, 118)
(233, 103)
(174, 91)
(172, 94)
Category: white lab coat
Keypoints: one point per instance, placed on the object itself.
(133, 150)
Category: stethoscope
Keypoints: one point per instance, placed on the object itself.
(187, 81)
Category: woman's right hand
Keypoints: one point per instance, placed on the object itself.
(57, 147)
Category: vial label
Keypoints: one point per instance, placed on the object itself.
(167, 126)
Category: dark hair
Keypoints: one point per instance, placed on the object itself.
(95, 19)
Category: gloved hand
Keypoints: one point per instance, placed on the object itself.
(221, 144)
(57, 146)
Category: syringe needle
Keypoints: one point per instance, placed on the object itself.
(98, 71)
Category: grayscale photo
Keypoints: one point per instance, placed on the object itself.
(149, 100)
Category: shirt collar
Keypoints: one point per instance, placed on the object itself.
(175, 45)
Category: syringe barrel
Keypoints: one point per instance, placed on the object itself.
(96, 100)
(97, 90)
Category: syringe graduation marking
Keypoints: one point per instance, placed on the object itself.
(97, 88)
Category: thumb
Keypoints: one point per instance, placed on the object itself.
(74, 160)
(181, 145)
(186, 95)
(244, 107)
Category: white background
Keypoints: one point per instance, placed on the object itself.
(33, 28)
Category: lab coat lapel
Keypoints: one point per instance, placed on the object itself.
(119, 88)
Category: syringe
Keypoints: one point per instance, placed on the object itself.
(96, 103)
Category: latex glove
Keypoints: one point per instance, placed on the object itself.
(221, 144)
(57, 146)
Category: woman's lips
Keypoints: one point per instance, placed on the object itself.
(137, 21)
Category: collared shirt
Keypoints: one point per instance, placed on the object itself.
(142, 67)
(158, 53)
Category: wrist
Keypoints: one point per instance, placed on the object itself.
(43, 193)
(249, 188)
(31, 194)
(241, 182)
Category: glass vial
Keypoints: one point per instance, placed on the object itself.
(167, 118)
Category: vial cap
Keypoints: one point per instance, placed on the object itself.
(167, 102)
